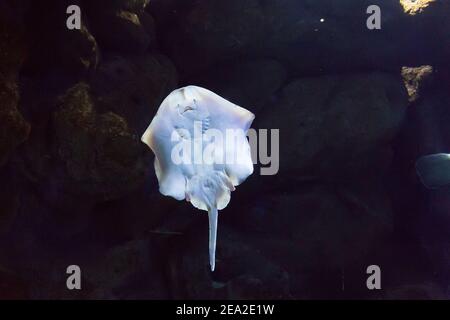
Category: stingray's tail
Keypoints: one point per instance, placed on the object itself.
(210, 191)
(213, 216)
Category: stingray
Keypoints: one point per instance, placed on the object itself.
(189, 122)
(434, 170)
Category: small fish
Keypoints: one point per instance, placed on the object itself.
(434, 170)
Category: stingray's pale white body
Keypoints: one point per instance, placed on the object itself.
(206, 185)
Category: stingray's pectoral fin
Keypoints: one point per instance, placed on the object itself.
(212, 215)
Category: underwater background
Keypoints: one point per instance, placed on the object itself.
(355, 108)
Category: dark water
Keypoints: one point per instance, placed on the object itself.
(355, 108)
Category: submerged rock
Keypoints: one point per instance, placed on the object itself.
(249, 83)
(312, 36)
(336, 126)
(317, 231)
(100, 154)
(135, 6)
(416, 291)
(212, 31)
(12, 286)
(416, 78)
(86, 56)
(243, 272)
(128, 271)
(13, 128)
(9, 198)
(54, 47)
(134, 86)
(123, 31)
(413, 7)
(94, 150)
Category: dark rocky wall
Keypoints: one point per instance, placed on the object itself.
(78, 186)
